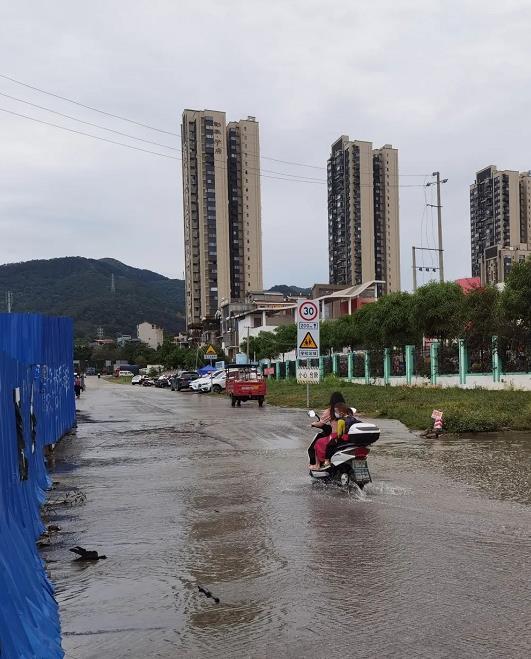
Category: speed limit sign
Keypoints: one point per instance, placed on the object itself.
(307, 330)
(308, 310)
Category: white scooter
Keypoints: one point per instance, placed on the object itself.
(348, 462)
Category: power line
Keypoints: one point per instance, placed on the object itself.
(136, 148)
(88, 107)
(283, 176)
(291, 162)
(88, 123)
(95, 137)
(122, 118)
(138, 123)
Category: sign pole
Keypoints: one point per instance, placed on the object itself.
(308, 388)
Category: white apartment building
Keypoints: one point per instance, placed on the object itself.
(150, 334)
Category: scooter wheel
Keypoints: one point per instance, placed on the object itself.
(345, 479)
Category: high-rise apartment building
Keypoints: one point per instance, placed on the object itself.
(386, 217)
(500, 215)
(245, 225)
(363, 214)
(222, 211)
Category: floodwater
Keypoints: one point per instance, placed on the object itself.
(432, 560)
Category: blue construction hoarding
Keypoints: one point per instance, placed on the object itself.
(37, 407)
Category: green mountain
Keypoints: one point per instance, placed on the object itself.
(291, 291)
(81, 289)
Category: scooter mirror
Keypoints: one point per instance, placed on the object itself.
(311, 413)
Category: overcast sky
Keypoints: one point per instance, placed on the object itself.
(448, 83)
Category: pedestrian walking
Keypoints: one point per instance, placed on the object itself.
(77, 386)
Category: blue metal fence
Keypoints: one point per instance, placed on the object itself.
(36, 408)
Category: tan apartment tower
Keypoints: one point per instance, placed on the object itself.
(245, 215)
(500, 217)
(363, 214)
(222, 211)
(386, 217)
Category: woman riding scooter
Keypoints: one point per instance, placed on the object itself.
(325, 447)
(327, 423)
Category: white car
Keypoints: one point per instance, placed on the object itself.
(137, 379)
(125, 374)
(197, 384)
(216, 383)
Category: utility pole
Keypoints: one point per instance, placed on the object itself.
(438, 182)
(9, 301)
(414, 269)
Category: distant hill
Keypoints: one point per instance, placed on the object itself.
(292, 291)
(81, 288)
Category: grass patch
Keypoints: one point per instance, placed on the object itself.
(120, 380)
(465, 410)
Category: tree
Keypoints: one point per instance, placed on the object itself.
(132, 349)
(397, 320)
(439, 310)
(368, 321)
(82, 352)
(345, 332)
(481, 309)
(286, 337)
(262, 346)
(516, 297)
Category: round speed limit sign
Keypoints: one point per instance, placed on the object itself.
(308, 311)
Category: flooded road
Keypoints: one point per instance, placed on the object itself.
(184, 491)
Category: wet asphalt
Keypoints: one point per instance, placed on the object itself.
(187, 497)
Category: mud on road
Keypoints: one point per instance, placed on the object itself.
(184, 492)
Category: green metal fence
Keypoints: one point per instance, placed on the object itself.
(432, 361)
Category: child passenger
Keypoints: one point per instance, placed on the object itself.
(343, 418)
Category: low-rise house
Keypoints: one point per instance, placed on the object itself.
(150, 334)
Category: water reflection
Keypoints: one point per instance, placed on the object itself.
(499, 464)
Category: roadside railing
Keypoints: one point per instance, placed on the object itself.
(435, 362)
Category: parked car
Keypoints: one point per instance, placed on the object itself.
(183, 380)
(137, 379)
(162, 382)
(215, 383)
(197, 384)
(125, 374)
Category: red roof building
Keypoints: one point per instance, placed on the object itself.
(469, 284)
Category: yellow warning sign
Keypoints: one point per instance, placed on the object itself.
(308, 342)
(210, 350)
